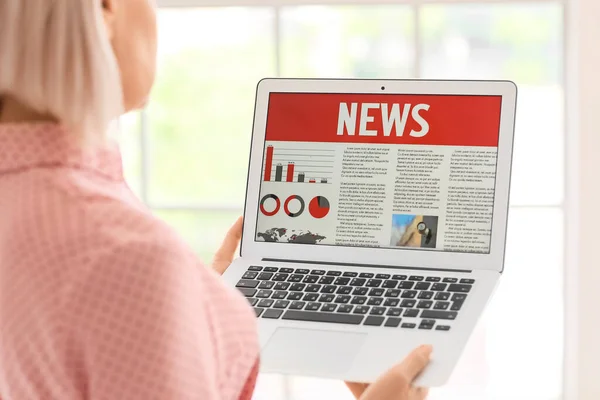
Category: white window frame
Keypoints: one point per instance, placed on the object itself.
(581, 81)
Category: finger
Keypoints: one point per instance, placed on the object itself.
(226, 252)
(418, 393)
(357, 388)
(415, 362)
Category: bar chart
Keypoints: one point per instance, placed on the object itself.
(298, 165)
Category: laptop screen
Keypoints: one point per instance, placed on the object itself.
(380, 170)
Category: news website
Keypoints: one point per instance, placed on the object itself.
(380, 170)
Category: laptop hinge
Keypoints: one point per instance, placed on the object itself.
(366, 265)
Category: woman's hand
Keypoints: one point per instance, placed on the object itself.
(396, 384)
(226, 253)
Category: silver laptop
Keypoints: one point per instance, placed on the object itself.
(375, 221)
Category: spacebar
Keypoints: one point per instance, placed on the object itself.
(323, 317)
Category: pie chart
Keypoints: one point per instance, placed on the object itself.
(319, 207)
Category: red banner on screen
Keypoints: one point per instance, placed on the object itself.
(384, 118)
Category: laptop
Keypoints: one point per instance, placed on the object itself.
(375, 221)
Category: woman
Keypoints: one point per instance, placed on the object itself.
(98, 299)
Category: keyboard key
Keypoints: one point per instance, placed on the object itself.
(366, 275)
(377, 311)
(250, 275)
(406, 285)
(302, 271)
(361, 309)
(310, 279)
(376, 292)
(317, 272)
(350, 274)
(255, 268)
(247, 283)
(264, 276)
(391, 302)
(442, 328)
(426, 324)
(313, 307)
(383, 276)
(459, 297)
(313, 288)
(432, 314)
(310, 297)
(409, 325)
(374, 321)
(422, 286)
(442, 296)
(360, 291)
(326, 280)
(425, 304)
(282, 286)
(439, 287)
(400, 277)
(411, 313)
(450, 280)
(468, 281)
(295, 278)
(358, 300)
(258, 311)
(286, 270)
(323, 317)
(374, 283)
(416, 278)
(358, 282)
(334, 273)
(408, 303)
(328, 289)
(271, 269)
(329, 307)
(342, 281)
(441, 305)
(264, 294)
(279, 277)
(457, 305)
(247, 291)
(279, 295)
(394, 312)
(374, 301)
(344, 290)
(459, 288)
(297, 287)
(425, 295)
(345, 308)
(326, 298)
(266, 303)
(393, 322)
(390, 284)
(409, 294)
(392, 293)
(433, 279)
(342, 299)
(294, 296)
(272, 314)
(281, 304)
(297, 305)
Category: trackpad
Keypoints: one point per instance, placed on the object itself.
(311, 351)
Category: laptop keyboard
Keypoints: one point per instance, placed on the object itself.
(355, 298)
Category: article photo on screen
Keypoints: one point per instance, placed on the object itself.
(412, 172)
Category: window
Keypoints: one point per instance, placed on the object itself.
(186, 155)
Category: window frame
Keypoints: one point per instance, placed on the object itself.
(579, 147)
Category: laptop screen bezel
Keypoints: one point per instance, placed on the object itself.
(494, 260)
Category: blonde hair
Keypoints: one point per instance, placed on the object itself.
(56, 57)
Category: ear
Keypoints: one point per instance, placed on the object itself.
(109, 12)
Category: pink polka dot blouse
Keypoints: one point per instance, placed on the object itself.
(99, 300)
